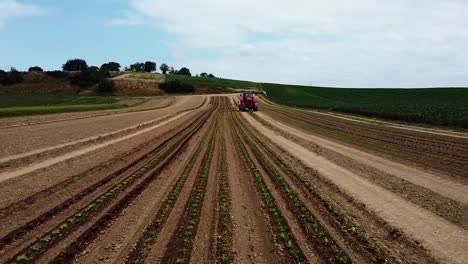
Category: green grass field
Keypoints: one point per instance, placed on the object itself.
(39, 104)
(435, 106)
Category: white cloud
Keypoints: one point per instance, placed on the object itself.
(324, 42)
(11, 9)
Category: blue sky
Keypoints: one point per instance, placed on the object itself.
(354, 43)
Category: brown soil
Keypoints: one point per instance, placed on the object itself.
(447, 155)
(443, 197)
(416, 222)
(26, 139)
(405, 220)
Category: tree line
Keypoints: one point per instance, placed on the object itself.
(79, 73)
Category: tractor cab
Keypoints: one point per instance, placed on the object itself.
(248, 102)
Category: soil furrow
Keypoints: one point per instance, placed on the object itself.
(180, 142)
(435, 155)
(82, 195)
(284, 226)
(398, 212)
(180, 246)
(253, 238)
(424, 189)
(112, 245)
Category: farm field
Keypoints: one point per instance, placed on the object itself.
(39, 104)
(192, 180)
(434, 106)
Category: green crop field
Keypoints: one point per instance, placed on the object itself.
(435, 106)
(38, 104)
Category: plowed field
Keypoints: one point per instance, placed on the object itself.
(193, 180)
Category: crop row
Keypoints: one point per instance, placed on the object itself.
(147, 240)
(301, 210)
(190, 222)
(59, 232)
(279, 223)
(24, 229)
(224, 240)
(346, 222)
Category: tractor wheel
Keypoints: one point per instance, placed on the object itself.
(255, 107)
(242, 107)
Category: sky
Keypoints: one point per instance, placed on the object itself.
(340, 43)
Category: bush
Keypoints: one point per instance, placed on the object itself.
(57, 74)
(35, 69)
(75, 65)
(176, 86)
(106, 87)
(87, 77)
(12, 77)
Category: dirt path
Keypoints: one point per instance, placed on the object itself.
(443, 186)
(447, 241)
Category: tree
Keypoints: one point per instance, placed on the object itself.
(75, 65)
(150, 66)
(211, 75)
(35, 69)
(172, 71)
(137, 66)
(110, 66)
(164, 68)
(203, 74)
(184, 71)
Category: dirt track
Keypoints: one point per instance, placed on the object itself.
(196, 181)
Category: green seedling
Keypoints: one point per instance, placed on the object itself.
(343, 260)
(36, 248)
(22, 258)
(363, 237)
(371, 246)
(334, 249)
(46, 239)
(184, 251)
(381, 256)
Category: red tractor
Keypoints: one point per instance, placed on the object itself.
(248, 102)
